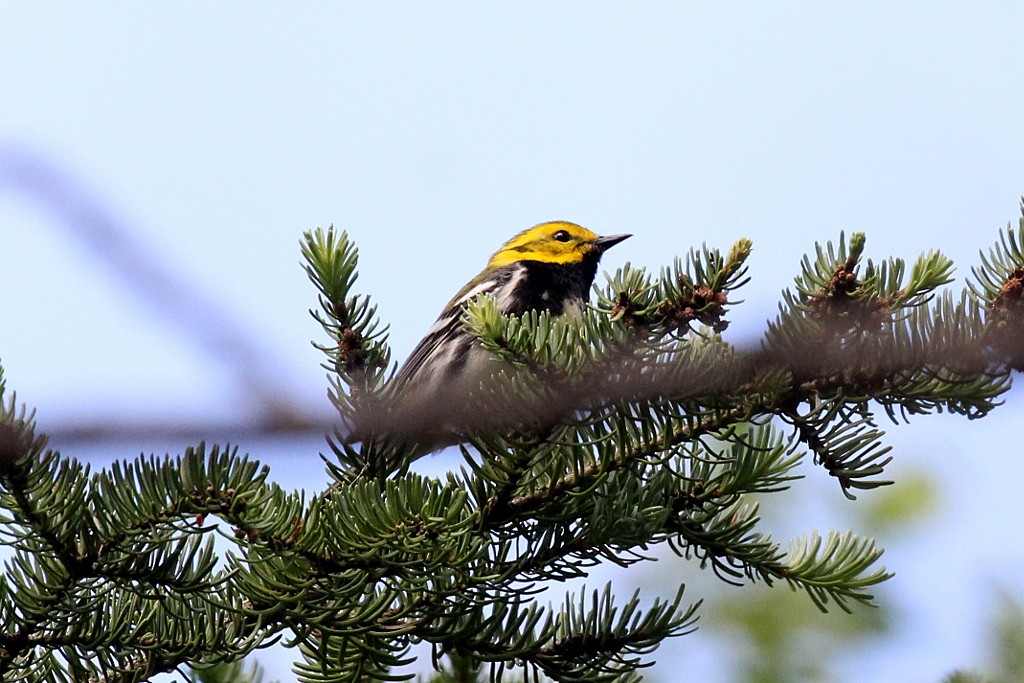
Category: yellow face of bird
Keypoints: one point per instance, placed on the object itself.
(558, 242)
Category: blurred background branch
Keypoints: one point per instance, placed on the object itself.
(140, 271)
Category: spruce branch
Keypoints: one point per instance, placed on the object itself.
(593, 640)
(845, 442)
(360, 341)
(600, 437)
(1000, 283)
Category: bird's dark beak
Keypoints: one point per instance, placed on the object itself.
(603, 243)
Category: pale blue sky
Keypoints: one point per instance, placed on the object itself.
(432, 132)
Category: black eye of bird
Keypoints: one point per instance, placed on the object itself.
(562, 236)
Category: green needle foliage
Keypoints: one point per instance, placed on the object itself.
(598, 437)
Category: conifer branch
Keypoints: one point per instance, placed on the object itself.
(635, 424)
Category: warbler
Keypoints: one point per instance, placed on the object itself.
(549, 267)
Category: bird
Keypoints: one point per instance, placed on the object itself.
(548, 267)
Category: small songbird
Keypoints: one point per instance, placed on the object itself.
(549, 267)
